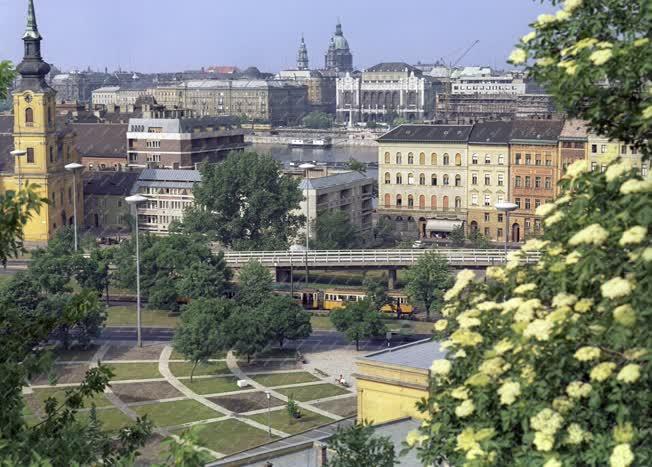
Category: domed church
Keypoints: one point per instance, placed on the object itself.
(338, 57)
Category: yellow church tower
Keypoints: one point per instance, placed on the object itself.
(44, 147)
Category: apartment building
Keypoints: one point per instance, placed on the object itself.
(573, 143)
(534, 162)
(488, 177)
(423, 175)
(169, 193)
(106, 210)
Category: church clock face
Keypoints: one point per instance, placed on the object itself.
(28, 98)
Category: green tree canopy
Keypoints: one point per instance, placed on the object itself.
(549, 364)
(357, 320)
(318, 120)
(356, 446)
(427, 281)
(334, 231)
(356, 166)
(457, 237)
(247, 332)
(376, 293)
(246, 203)
(255, 284)
(284, 319)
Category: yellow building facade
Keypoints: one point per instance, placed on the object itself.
(47, 147)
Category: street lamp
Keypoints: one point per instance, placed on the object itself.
(73, 167)
(135, 200)
(18, 153)
(506, 207)
(268, 395)
(307, 167)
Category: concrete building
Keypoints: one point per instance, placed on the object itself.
(423, 175)
(49, 145)
(181, 143)
(338, 57)
(484, 81)
(321, 88)
(390, 382)
(77, 86)
(169, 193)
(123, 96)
(384, 92)
(488, 177)
(351, 192)
(534, 172)
(105, 209)
(601, 149)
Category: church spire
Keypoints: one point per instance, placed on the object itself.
(31, 30)
(302, 56)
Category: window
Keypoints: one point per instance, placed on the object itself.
(500, 218)
(486, 232)
(446, 159)
(517, 202)
(633, 150)
(487, 179)
(548, 160)
(527, 203)
(399, 201)
(537, 159)
(603, 168)
(30, 155)
(445, 179)
(594, 165)
(433, 180)
(410, 180)
(501, 159)
(458, 159)
(501, 179)
(487, 200)
(500, 198)
(474, 159)
(54, 200)
(474, 179)
(499, 233)
(410, 158)
(433, 159)
(51, 154)
(537, 203)
(528, 181)
(399, 179)
(623, 149)
(422, 159)
(388, 178)
(528, 159)
(603, 148)
(399, 158)
(29, 116)
(69, 194)
(517, 158)
(410, 201)
(388, 158)
(458, 202)
(433, 202)
(422, 179)
(548, 183)
(517, 181)
(458, 180)
(487, 217)
(537, 182)
(474, 199)
(537, 224)
(594, 148)
(487, 159)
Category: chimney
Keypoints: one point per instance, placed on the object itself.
(321, 456)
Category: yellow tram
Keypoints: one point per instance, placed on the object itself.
(332, 299)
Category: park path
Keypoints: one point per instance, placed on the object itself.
(232, 363)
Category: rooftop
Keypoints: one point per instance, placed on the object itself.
(574, 129)
(393, 67)
(418, 355)
(101, 139)
(332, 180)
(536, 130)
(170, 175)
(109, 183)
(496, 132)
(428, 134)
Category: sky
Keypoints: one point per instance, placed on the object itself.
(174, 35)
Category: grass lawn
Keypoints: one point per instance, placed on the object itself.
(176, 413)
(112, 419)
(322, 323)
(179, 356)
(210, 368)
(281, 379)
(212, 385)
(59, 393)
(230, 436)
(316, 391)
(280, 420)
(124, 371)
(415, 327)
(277, 353)
(75, 355)
(126, 316)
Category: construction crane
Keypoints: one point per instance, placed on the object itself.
(448, 84)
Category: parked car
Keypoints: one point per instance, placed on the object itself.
(419, 245)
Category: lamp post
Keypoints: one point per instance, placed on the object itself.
(506, 208)
(18, 153)
(135, 200)
(268, 395)
(74, 167)
(307, 167)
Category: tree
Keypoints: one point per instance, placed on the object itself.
(356, 446)
(478, 240)
(385, 232)
(376, 293)
(399, 121)
(427, 281)
(247, 332)
(7, 75)
(94, 272)
(201, 332)
(356, 166)
(334, 231)
(284, 319)
(255, 284)
(457, 237)
(318, 120)
(357, 321)
(246, 203)
(549, 363)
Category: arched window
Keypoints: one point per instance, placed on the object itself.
(433, 158)
(399, 201)
(399, 158)
(433, 180)
(458, 180)
(446, 179)
(388, 178)
(388, 158)
(410, 201)
(422, 179)
(458, 159)
(445, 202)
(422, 159)
(29, 116)
(399, 179)
(433, 202)
(422, 202)
(388, 200)
(447, 159)
(458, 202)
(474, 159)
(410, 179)
(410, 158)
